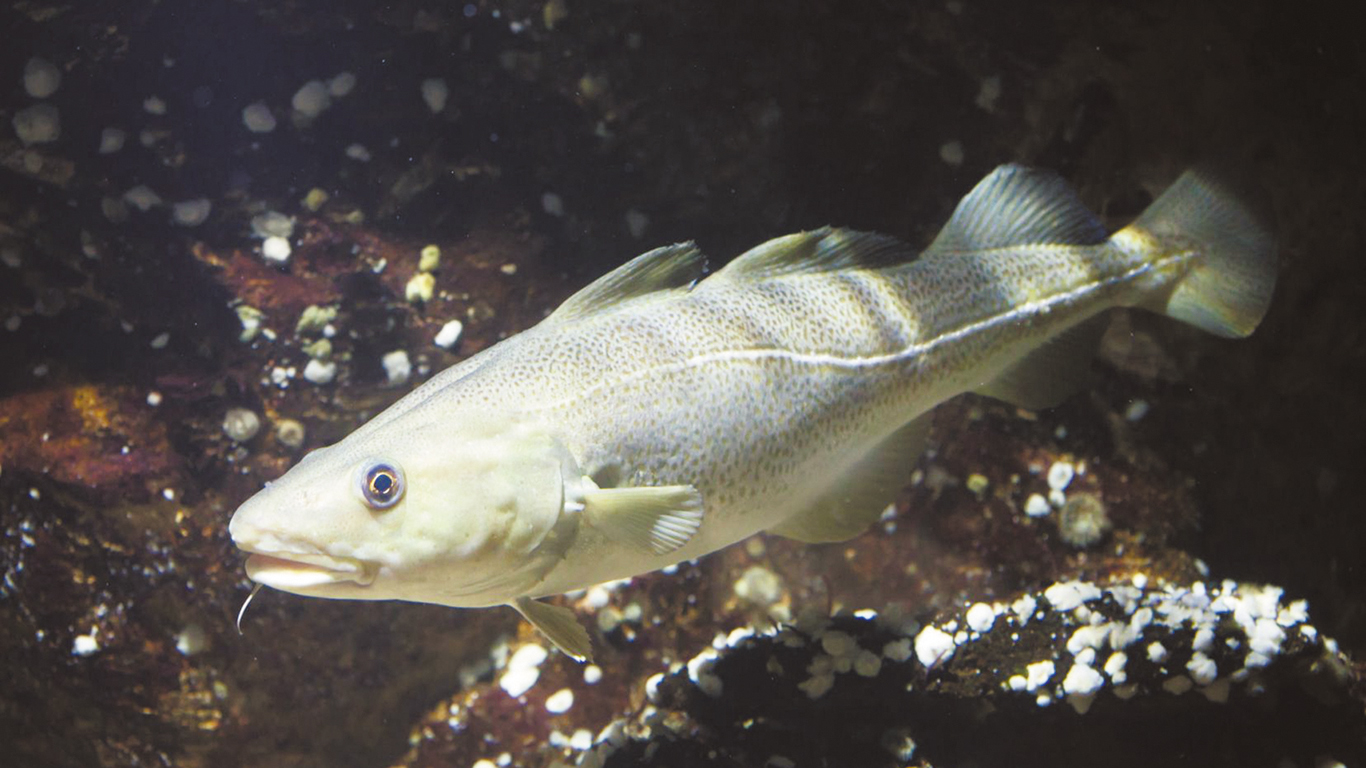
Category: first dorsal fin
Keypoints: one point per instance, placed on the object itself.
(673, 266)
(1015, 205)
(822, 250)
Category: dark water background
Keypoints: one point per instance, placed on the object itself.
(724, 123)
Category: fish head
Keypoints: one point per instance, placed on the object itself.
(465, 512)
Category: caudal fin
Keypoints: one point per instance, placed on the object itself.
(1228, 288)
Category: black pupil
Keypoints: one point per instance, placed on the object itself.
(382, 483)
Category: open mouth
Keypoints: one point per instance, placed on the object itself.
(288, 571)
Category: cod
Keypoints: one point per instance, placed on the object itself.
(659, 415)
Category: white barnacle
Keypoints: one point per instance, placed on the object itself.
(241, 424)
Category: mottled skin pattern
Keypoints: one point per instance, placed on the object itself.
(762, 394)
(771, 395)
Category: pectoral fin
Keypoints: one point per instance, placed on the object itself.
(559, 625)
(659, 518)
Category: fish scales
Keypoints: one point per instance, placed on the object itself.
(659, 416)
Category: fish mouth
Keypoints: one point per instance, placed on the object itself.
(292, 571)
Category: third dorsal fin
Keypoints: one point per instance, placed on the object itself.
(1015, 205)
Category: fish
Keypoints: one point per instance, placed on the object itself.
(662, 413)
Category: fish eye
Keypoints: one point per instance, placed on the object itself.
(381, 484)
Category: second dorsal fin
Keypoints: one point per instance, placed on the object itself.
(822, 250)
(669, 267)
(1015, 205)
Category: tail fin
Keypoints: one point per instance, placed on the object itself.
(1229, 287)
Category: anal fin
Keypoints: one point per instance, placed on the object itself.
(1053, 372)
(860, 497)
(659, 519)
(559, 625)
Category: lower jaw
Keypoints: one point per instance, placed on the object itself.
(293, 575)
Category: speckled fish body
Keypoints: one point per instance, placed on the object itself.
(657, 416)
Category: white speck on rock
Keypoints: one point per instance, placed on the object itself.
(1114, 667)
(759, 586)
(1060, 475)
(1037, 506)
(1082, 679)
(1038, 674)
(1266, 637)
(560, 701)
(652, 687)
(84, 645)
(397, 367)
(1202, 668)
(1068, 595)
(1024, 607)
(1089, 637)
(420, 288)
(1157, 652)
(276, 249)
(241, 424)
(449, 334)
(320, 371)
(1295, 613)
(932, 646)
(523, 669)
(700, 672)
(581, 740)
(981, 617)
